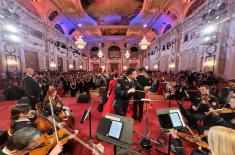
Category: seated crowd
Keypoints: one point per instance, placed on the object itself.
(211, 113)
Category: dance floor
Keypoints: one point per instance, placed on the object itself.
(78, 110)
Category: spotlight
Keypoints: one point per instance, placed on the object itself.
(209, 29)
(1, 16)
(13, 38)
(217, 17)
(145, 25)
(11, 28)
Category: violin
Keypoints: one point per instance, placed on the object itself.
(42, 123)
(206, 98)
(194, 140)
(47, 142)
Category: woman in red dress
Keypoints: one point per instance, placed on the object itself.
(108, 107)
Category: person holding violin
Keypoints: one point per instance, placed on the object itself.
(202, 108)
(21, 115)
(24, 140)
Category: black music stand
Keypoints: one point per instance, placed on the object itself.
(145, 141)
(125, 139)
(84, 116)
(166, 123)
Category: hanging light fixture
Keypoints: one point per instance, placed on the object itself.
(100, 54)
(80, 43)
(144, 43)
(127, 54)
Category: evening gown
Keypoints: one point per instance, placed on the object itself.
(108, 107)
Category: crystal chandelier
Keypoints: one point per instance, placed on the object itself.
(144, 43)
(127, 54)
(100, 54)
(80, 43)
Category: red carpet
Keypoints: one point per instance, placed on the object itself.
(78, 110)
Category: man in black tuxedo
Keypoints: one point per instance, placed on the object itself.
(142, 84)
(124, 89)
(102, 83)
(32, 88)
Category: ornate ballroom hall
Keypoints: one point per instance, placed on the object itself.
(127, 62)
(175, 35)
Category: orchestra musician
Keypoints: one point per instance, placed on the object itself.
(124, 90)
(221, 141)
(202, 104)
(20, 116)
(227, 108)
(24, 140)
(62, 112)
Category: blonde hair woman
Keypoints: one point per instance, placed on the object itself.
(221, 140)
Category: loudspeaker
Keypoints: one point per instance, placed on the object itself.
(84, 98)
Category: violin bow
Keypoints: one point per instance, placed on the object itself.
(74, 137)
(53, 120)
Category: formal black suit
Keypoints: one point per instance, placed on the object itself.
(122, 99)
(140, 83)
(32, 90)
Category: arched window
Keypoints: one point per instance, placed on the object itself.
(114, 52)
(53, 15)
(134, 52)
(94, 52)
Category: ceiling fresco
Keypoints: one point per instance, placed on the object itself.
(112, 12)
(99, 20)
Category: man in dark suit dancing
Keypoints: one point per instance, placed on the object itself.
(124, 90)
(32, 88)
(143, 84)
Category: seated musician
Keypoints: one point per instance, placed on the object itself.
(55, 100)
(202, 104)
(21, 115)
(226, 110)
(221, 141)
(24, 140)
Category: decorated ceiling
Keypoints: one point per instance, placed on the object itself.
(99, 20)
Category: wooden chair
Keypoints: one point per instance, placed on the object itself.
(40, 108)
